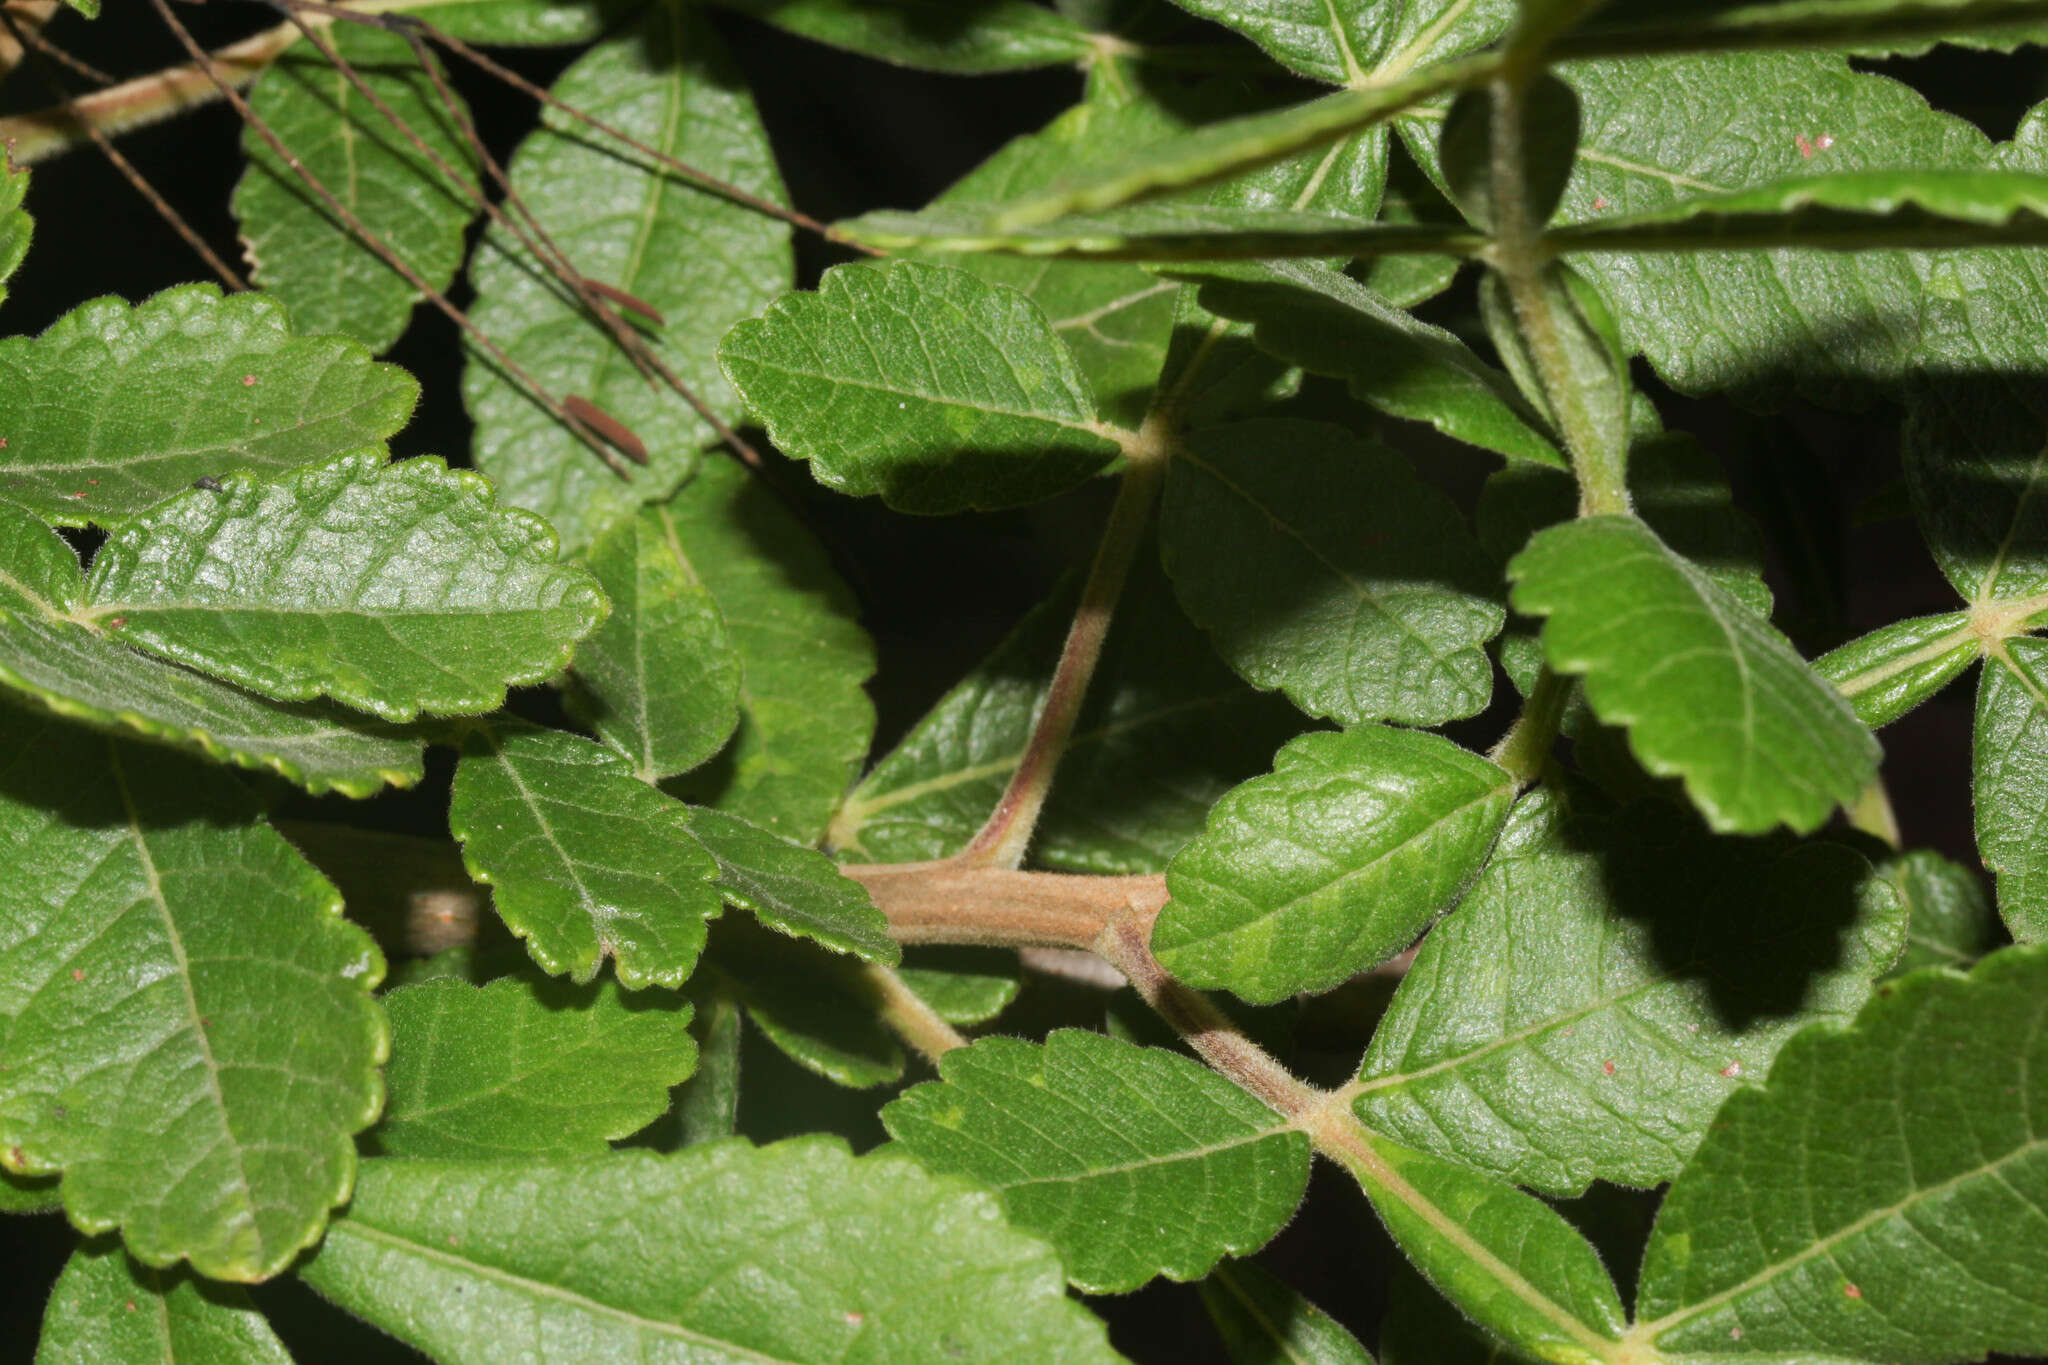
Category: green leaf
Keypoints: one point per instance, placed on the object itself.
(963, 37)
(1848, 211)
(1506, 1259)
(1351, 42)
(329, 279)
(1949, 920)
(1608, 982)
(1263, 1322)
(1707, 690)
(1422, 1328)
(1890, 25)
(1596, 402)
(923, 385)
(963, 985)
(658, 681)
(1165, 231)
(525, 22)
(792, 889)
(48, 656)
(1332, 864)
(708, 1104)
(190, 1034)
(1547, 113)
(396, 588)
(105, 1307)
(817, 1009)
(22, 1195)
(699, 260)
(1893, 669)
(1323, 567)
(805, 718)
(1321, 319)
(796, 1252)
(1132, 1162)
(187, 385)
(15, 224)
(1976, 458)
(526, 1069)
(1166, 729)
(1881, 1199)
(584, 860)
(2010, 781)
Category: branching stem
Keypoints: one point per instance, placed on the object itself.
(1526, 746)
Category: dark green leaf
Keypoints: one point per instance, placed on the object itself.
(792, 889)
(963, 985)
(1351, 42)
(1708, 691)
(325, 275)
(1422, 1328)
(818, 1009)
(2011, 781)
(921, 384)
(1949, 920)
(585, 861)
(1263, 1322)
(190, 1034)
(537, 22)
(796, 1252)
(1977, 468)
(1882, 1198)
(1835, 24)
(701, 261)
(708, 1104)
(658, 681)
(396, 588)
(805, 720)
(1548, 127)
(964, 37)
(15, 224)
(106, 1308)
(524, 1068)
(1332, 864)
(1608, 983)
(185, 386)
(48, 656)
(1893, 669)
(1132, 1162)
(1323, 567)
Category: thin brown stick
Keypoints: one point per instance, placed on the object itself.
(33, 45)
(32, 36)
(384, 253)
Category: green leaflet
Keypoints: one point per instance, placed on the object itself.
(707, 1105)
(1608, 983)
(1976, 458)
(1708, 691)
(1881, 1199)
(1893, 669)
(48, 656)
(923, 385)
(396, 588)
(2010, 780)
(805, 719)
(794, 1252)
(327, 277)
(1165, 731)
(1949, 920)
(524, 1068)
(1332, 864)
(15, 224)
(1421, 1328)
(23, 1195)
(963, 985)
(1505, 1258)
(190, 1034)
(703, 262)
(585, 861)
(106, 1307)
(1320, 318)
(818, 1010)
(792, 889)
(658, 680)
(1322, 566)
(1263, 1322)
(964, 37)
(1350, 42)
(1133, 1162)
(1889, 25)
(187, 385)
(538, 22)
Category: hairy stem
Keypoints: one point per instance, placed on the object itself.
(1007, 832)
(905, 1012)
(947, 902)
(1525, 747)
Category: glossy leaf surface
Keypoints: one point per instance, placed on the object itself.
(792, 889)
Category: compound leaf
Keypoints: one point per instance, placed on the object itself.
(1894, 668)
(963, 37)
(1881, 1198)
(396, 588)
(524, 1068)
(922, 384)
(1321, 566)
(329, 279)
(1608, 983)
(105, 1307)
(699, 260)
(1330, 865)
(1707, 690)
(1131, 1161)
(1263, 1322)
(805, 717)
(658, 681)
(792, 889)
(2011, 781)
(188, 1025)
(585, 861)
(116, 407)
(796, 1252)
(47, 655)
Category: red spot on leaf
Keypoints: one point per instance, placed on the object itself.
(1599, 203)
(1850, 1291)
(1823, 142)
(1607, 1067)
(116, 622)
(855, 1319)
(248, 381)
(1805, 146)
(131, 1305)
(77, 975)
(1732, 1070)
